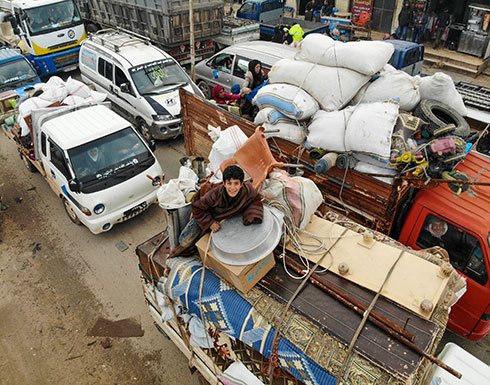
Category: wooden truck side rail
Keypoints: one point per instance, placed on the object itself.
(359, 196)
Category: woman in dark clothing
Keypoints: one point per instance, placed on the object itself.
(404, 18)
(254, 77)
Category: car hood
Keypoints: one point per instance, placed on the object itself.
(170, 101)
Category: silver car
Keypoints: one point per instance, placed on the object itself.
(229, 66)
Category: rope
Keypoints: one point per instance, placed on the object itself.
(364, 319)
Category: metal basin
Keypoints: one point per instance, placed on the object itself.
(236, 244)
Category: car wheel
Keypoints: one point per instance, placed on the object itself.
(70, 212)
(27, 163)
(203, 86)
(439, 115)
(144, 130)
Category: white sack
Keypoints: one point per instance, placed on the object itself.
(312, 196)
(327, 130)
(72, 100)
(441, 87)
(97, 97)
(76, 87)
(371, 169)
(370, 128)
(287, 130)
(366, 57)
(25, 110)
(170, 196)
(225, 146)
(54, 94)
(292, 101)
(391, 85)
(270, 115)
(332, 87)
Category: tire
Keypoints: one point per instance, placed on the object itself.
(144, 130)
(27, 163)
(439, 115)
(92, 28)
(204, 87)
(69, 211)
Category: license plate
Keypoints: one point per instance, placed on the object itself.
(135, 210)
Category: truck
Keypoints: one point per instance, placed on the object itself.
(164, 22)
(49, 32)
(92, 159)
(401, 210)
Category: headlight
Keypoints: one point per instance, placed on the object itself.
(99, 209)
(162, 117)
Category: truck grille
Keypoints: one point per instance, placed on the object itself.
(68, 58)
(61, 45)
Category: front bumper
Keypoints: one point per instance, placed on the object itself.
(166, 129)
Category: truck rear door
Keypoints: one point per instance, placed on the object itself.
(468, 254)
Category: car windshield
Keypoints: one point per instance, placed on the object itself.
(15, 74)
(109, 156)
(158, 76)
(52, 17)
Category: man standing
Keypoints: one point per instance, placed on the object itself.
(443, 21)
(419, 22)
(404, 18)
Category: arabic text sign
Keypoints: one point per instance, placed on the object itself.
(361, 6)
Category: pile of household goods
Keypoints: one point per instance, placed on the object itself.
(54, 92)
(303, 321)
(345, 99)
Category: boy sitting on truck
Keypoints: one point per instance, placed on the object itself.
(215, 202)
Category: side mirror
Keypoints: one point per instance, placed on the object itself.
(124, 88)
(74, 185)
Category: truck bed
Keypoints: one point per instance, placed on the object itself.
(370, 202)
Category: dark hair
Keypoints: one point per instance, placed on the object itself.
(233, 172)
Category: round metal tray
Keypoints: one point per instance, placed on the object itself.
(237, 244)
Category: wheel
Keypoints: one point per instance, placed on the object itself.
(439, 115)
(203, 86)
(27, 163)
(92, 28)
(144, 130)
(71, 214)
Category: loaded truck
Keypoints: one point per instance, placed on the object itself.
(402, 209)
(49, 32)
(164, 22)
(93, 160)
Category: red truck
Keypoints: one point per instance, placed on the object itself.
(403, 210)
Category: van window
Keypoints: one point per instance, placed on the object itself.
(120, 77)
(223, 62)
(241, 67)
(58, 159)
(411, 57)
(89, 59)
(465, 250)
(267, 6)
(105, 69)
(248, 8)
(43, 144)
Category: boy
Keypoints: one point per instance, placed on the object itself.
(214, 203)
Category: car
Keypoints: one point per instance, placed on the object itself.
(142, 81)
(228, 67)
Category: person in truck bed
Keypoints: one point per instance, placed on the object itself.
(215, 202)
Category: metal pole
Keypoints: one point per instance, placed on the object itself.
(192, 44)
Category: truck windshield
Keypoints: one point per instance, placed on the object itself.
(16, 73)
(158, 76)
(52, 17)
(110, 160)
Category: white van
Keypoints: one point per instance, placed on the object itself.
(96, 162)
(142, 80)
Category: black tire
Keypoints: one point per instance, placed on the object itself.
(27, 163)
(439, 115)
(204, 87)
(92, 28)
(69, 211)
(144, 130)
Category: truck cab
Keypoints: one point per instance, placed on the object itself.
(96, 163)
(408, 56)
(50, 32)
(16, 73)
(465, 234)
(261, 10)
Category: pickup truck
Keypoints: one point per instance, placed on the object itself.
(401, 210)
(93, 159)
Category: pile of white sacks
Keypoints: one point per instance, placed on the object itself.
(344, 97)
(72, 92)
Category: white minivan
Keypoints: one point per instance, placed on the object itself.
(142, 80)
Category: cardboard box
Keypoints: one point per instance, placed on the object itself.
(242, 277)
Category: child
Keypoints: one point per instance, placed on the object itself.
(221, 97)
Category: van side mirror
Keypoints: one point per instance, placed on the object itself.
(74, 185)
(124, 88)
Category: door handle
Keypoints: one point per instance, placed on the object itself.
(53, 174)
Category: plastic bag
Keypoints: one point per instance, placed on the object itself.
(170, 196)
(225, 146)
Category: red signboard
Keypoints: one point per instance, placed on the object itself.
(361, 6)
